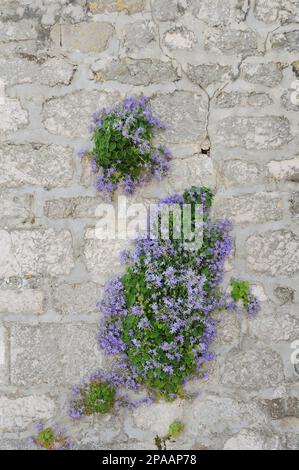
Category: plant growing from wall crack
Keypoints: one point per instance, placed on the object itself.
(123, 153)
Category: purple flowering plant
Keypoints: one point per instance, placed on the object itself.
(51, 438)
(123, 153)
(160, 317)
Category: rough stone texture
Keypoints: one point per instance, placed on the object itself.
(13, 117)
(21, 301)
(138, 36)
(269, 74)
(70, 115)
(231, 41)
(267, 132)
(287, 170)
(18, 413)
(274, 252)
(84, 37)
(179, 38)
(217, 13)
(16, 210)
(237, 98)
(187, 114)
(209, 74)
(270, 11)
(53, 354)
(51, 72)
(250, 208)
(249, 369)
(38, 252)
(171, 10)
(135, 72)
(75, 299)
(294, 203)
(37, 165)
(221, 74)
(288, 41)
(76, 207)
(103, 6)
(250, 439)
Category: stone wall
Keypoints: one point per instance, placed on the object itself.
(220, 72)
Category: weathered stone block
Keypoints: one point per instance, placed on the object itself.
(170, 10)
(270, 11)
(13, 117)
(70, 115)
(102, 256)
(260, 133)
(238, 172)
(139, 35)
(53, 71)
(274, 326)
(84, 37)
(287, 170)
(19, 413)
(231, 41)
(194, 170)
(54, 354)
(294, 203)
(49, 166)
(252, 369)
(76, 299)
(288, 41)
(135, 72)
(18, 31)
(16, 210)
(207, 75)
(3, 357)
(206, 413)
(285, 295)
(238, 98)
(267, 74)
(186, 114)
(36, 252)
(21, 301)
(128, 6)
(274, 252)
(250, 208)
(179, 37)
(251, 439)
(74, 207)
(279, 408)
(216, 13)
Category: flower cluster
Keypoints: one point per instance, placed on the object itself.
(159, 317)
(241, 292)
(51, 438)
(123, 153)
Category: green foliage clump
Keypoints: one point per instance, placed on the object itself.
(175, 430)
(240, 291)
(46, 438)
(93, 397)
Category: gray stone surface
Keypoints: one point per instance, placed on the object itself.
(75, 299)
(275, 252)
(70, 115)
(135, 72)
(268, 74)
(259, 133)
(231, 42)
(17, 413)
(83, 37)
(249, 369)
(48, 166)
(38, 252)
(53, 354)
(187, 114)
